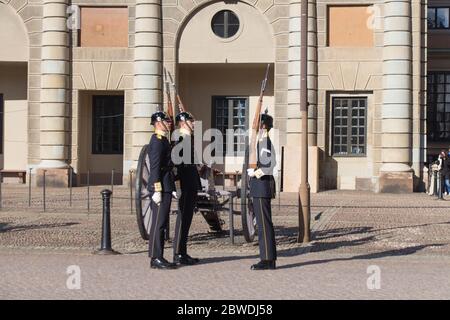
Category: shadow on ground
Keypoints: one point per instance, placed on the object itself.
(5, 227)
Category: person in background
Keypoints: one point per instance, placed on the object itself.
(446, 173)
(444, 170)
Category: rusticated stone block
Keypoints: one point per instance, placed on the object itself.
(396, 182)
(56, 178)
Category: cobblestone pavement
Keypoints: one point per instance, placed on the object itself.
(39, 275)
(408, 236)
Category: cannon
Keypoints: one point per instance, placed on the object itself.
(210, 201)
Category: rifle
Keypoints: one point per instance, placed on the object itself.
(169, 101)
(252, 160)
(180, 103)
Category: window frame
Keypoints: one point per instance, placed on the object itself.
(225, 24)
(230, 120)
(435, 8)
(79, 30)
(94, 149)
(328, 25)
(349, 126)
(434, 104)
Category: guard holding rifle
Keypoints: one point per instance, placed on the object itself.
(190, 184)
(161, 185)
(262, 191)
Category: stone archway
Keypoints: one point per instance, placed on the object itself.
(13, 35)
(14, 58)
(219, 76)
(30, 15)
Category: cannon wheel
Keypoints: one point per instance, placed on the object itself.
(247, 213)
(142, 196)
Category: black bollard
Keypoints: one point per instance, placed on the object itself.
(105, 247)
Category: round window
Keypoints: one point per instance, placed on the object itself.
(225, 24)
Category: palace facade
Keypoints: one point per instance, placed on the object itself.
(80, 79)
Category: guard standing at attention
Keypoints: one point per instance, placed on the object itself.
(190, 184)
(262, 191)
(161, 185)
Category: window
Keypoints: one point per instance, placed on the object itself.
(225, 24)
(348, 26)
(438, 18)
(438, 111)
(107, 125)
(1, 122)
(231, 113)
(349, 126)
(104, 27)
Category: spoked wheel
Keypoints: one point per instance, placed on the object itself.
(142, 195)
(247, 213)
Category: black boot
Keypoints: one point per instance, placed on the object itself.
(161, 263)
(264, 265)
(185, 259)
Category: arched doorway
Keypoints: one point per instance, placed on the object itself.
(223, 52)
(13, 90)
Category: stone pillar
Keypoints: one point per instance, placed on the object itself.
(312, 72)
(54, 91)
(396, 174)
(293, 133)
(147, 71)
(294, 60)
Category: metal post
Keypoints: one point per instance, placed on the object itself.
(70, 185)
(43, 187)
(279, 190)
(131, 191)
(304, 190)
(88, 190)
(105, 247)
(435, 185)
(231, 218)
(112, 186)
(430, 173)
(29, 187)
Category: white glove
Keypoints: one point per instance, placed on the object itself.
(157, 198)
(251, 173)
(259, 173)
(176, 194)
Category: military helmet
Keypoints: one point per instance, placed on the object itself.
(184, 116)
(159, 116)
(267, 120)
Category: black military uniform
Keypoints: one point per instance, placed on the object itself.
(190, 184)
(161, 180)
(262, 191)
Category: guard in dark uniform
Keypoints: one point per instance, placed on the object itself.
(189, 185)
(161, 185)
(262, 191)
